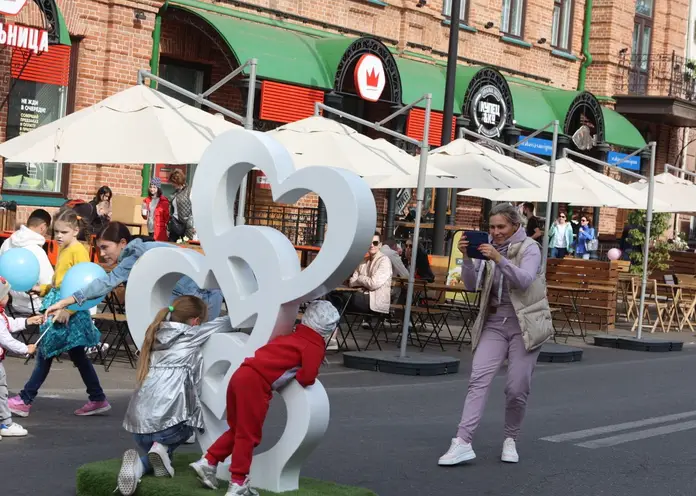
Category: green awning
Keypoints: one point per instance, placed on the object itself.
(63, 33)
(619, 131)
(286, 55)
(532, 110)
(418, 78)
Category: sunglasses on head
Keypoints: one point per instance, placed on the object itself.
(375, 243)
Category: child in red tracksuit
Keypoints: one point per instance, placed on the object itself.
(297, 355)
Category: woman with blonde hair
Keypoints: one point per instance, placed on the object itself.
(165, 409)
(514, 320)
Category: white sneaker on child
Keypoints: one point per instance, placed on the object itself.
(159, 459)
(206, 473)
(131, 472)
(241, 489)
(12, 430)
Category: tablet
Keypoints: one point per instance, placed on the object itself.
(476, 239)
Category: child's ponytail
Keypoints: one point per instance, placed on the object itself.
(144, 358)
(183, 309)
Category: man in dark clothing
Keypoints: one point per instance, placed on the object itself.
(533, 225)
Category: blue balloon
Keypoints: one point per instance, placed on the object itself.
(20, 267)
(77, 278)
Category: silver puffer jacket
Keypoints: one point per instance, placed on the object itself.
(170, 394)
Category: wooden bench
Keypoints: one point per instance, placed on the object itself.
(597, 307)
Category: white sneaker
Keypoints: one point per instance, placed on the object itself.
(159, 459)
(206, 473)
(13, 430)
(509, 451)
(333, 345)
(241, 490)
(130, 474)
(458, 452)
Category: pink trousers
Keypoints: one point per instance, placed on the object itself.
(501, 338)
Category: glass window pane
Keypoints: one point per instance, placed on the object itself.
(505, 20)
(644, 7)
(516, 17)
(447, 8)
(32, 105)
(645, 47)
(565, 30)
(555, 25)
(462, 12)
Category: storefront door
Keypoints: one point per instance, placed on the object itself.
(190, 78)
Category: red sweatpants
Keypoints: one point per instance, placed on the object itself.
(248, 397)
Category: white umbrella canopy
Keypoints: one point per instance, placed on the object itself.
(600, 190)
(320, 141)
(135, 126)
(672, 193)
(476, 166)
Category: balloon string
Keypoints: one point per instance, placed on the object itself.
(50, 326)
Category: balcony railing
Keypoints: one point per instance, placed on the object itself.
(657, 75)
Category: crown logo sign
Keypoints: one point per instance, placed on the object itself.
(372, 79)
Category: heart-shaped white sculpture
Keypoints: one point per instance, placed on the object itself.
(259, 273)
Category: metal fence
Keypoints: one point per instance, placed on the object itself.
(299, 225)
(665, 74)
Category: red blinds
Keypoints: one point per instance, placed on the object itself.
(51, 67)
(416, 120)
(287, 103)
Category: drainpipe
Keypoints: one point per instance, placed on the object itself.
(582, 75)
(154, 69)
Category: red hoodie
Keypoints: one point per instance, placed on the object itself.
(303, 348)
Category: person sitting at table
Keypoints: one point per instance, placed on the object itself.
(423, 269)
(513, 322)
(373, 278)
(391, 250)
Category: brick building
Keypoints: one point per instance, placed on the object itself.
(525, 57)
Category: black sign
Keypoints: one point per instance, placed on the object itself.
(489, 111)
(30, 105)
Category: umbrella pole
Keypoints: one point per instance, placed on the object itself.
(646, 243)
(549, 198)
(249, 126)
(420, 198)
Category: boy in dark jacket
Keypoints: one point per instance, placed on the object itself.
(297, 355)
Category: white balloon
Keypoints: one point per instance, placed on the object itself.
(259, 273)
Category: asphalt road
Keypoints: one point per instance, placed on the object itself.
(387, 432)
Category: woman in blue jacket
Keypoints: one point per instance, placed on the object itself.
(585, 234)
(561, 234)
(116, 245)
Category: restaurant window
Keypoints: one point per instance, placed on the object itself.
(447, 10)
(561, 27)
(512, 22)
(38, 95)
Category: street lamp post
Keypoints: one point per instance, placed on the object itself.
(442, 195)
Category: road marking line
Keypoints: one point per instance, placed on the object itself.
(636, 436)
(572, 436)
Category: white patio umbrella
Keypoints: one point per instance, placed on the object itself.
(477, 166)
(600, 190)
(135, 126)
(679, 195)
(317, 140)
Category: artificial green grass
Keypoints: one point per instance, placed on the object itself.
(99, 479)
